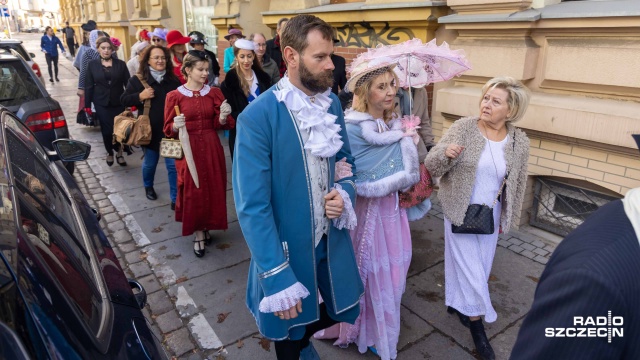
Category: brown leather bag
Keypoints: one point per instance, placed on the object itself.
(128, 130)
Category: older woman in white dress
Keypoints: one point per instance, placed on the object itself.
(474, 158)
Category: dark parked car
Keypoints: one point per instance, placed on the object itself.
(63, 294)
(31, 29)
(11, 44)
(23, 94)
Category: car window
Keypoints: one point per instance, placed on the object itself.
(31, 173)
(7, 219)
(48, 220)
(52, 242)
(16, 84)
(17, 47)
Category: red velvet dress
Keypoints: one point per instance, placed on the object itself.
(203, 208)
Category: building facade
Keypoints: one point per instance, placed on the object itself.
(579, 58)
(32, 14)
(123, 18)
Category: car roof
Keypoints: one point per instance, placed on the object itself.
(11, 41)
(8, 57)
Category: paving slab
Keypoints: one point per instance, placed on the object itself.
(436, 346)
(135, 199)
(427, 241)
(503, 343)
(228, 249)
(220, 297)
(512, 284)
(131, 178)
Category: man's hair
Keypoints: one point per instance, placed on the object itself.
(280, 22)
(297, 29)
(254, 35)
(67, 23)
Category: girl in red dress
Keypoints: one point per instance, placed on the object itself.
(204, 111)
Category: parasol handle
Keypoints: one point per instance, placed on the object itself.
(177, 109)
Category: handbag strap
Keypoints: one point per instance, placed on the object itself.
(147, 103)
(506, 176)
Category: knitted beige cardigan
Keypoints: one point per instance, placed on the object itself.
(458, 175)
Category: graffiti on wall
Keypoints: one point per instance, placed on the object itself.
(365, 35)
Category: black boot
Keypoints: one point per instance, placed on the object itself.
(483, 348)
(464, 319)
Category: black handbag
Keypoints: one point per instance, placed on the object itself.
(479, 218)
(85, 119)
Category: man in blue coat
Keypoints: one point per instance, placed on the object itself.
(293, 209)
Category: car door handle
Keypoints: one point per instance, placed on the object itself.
(138, 292)
(96, 213)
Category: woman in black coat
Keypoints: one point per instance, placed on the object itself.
(106, 78)
(244, 82)
(157, 71)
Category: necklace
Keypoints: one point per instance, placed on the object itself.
(185, 86)
(105, 59)
(248, 78)
(490, 150)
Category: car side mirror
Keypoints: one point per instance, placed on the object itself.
(32, 55)
(71, 150)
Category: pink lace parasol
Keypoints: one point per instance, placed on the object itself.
(419, 64)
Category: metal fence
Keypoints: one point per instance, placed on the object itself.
(559, 208)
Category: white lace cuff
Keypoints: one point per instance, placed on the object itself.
(284, 299)
(348, 218)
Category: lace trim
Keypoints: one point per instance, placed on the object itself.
(188, 93)
(312, 112)
(348, 218)
(284, 299)
(383, 170)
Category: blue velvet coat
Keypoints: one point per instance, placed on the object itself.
(271, 189)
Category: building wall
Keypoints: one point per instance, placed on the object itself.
(122, 18)
(359, 25)
(576, 58)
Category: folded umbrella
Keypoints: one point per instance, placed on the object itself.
(186, 150)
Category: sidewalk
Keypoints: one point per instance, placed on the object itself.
(197, 305)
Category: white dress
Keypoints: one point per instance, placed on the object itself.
(468, 257)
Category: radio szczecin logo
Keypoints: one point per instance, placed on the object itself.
(590, 327)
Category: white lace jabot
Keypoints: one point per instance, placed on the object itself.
(188, 93)
(312, 112)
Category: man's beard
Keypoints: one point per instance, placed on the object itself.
(315, 83)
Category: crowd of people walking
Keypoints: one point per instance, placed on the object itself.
(310, 179)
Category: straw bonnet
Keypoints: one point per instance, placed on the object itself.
(363, 71)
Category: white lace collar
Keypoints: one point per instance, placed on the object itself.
(312, 112)
(188, 93)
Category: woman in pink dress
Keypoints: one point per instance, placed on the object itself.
(386, 162)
